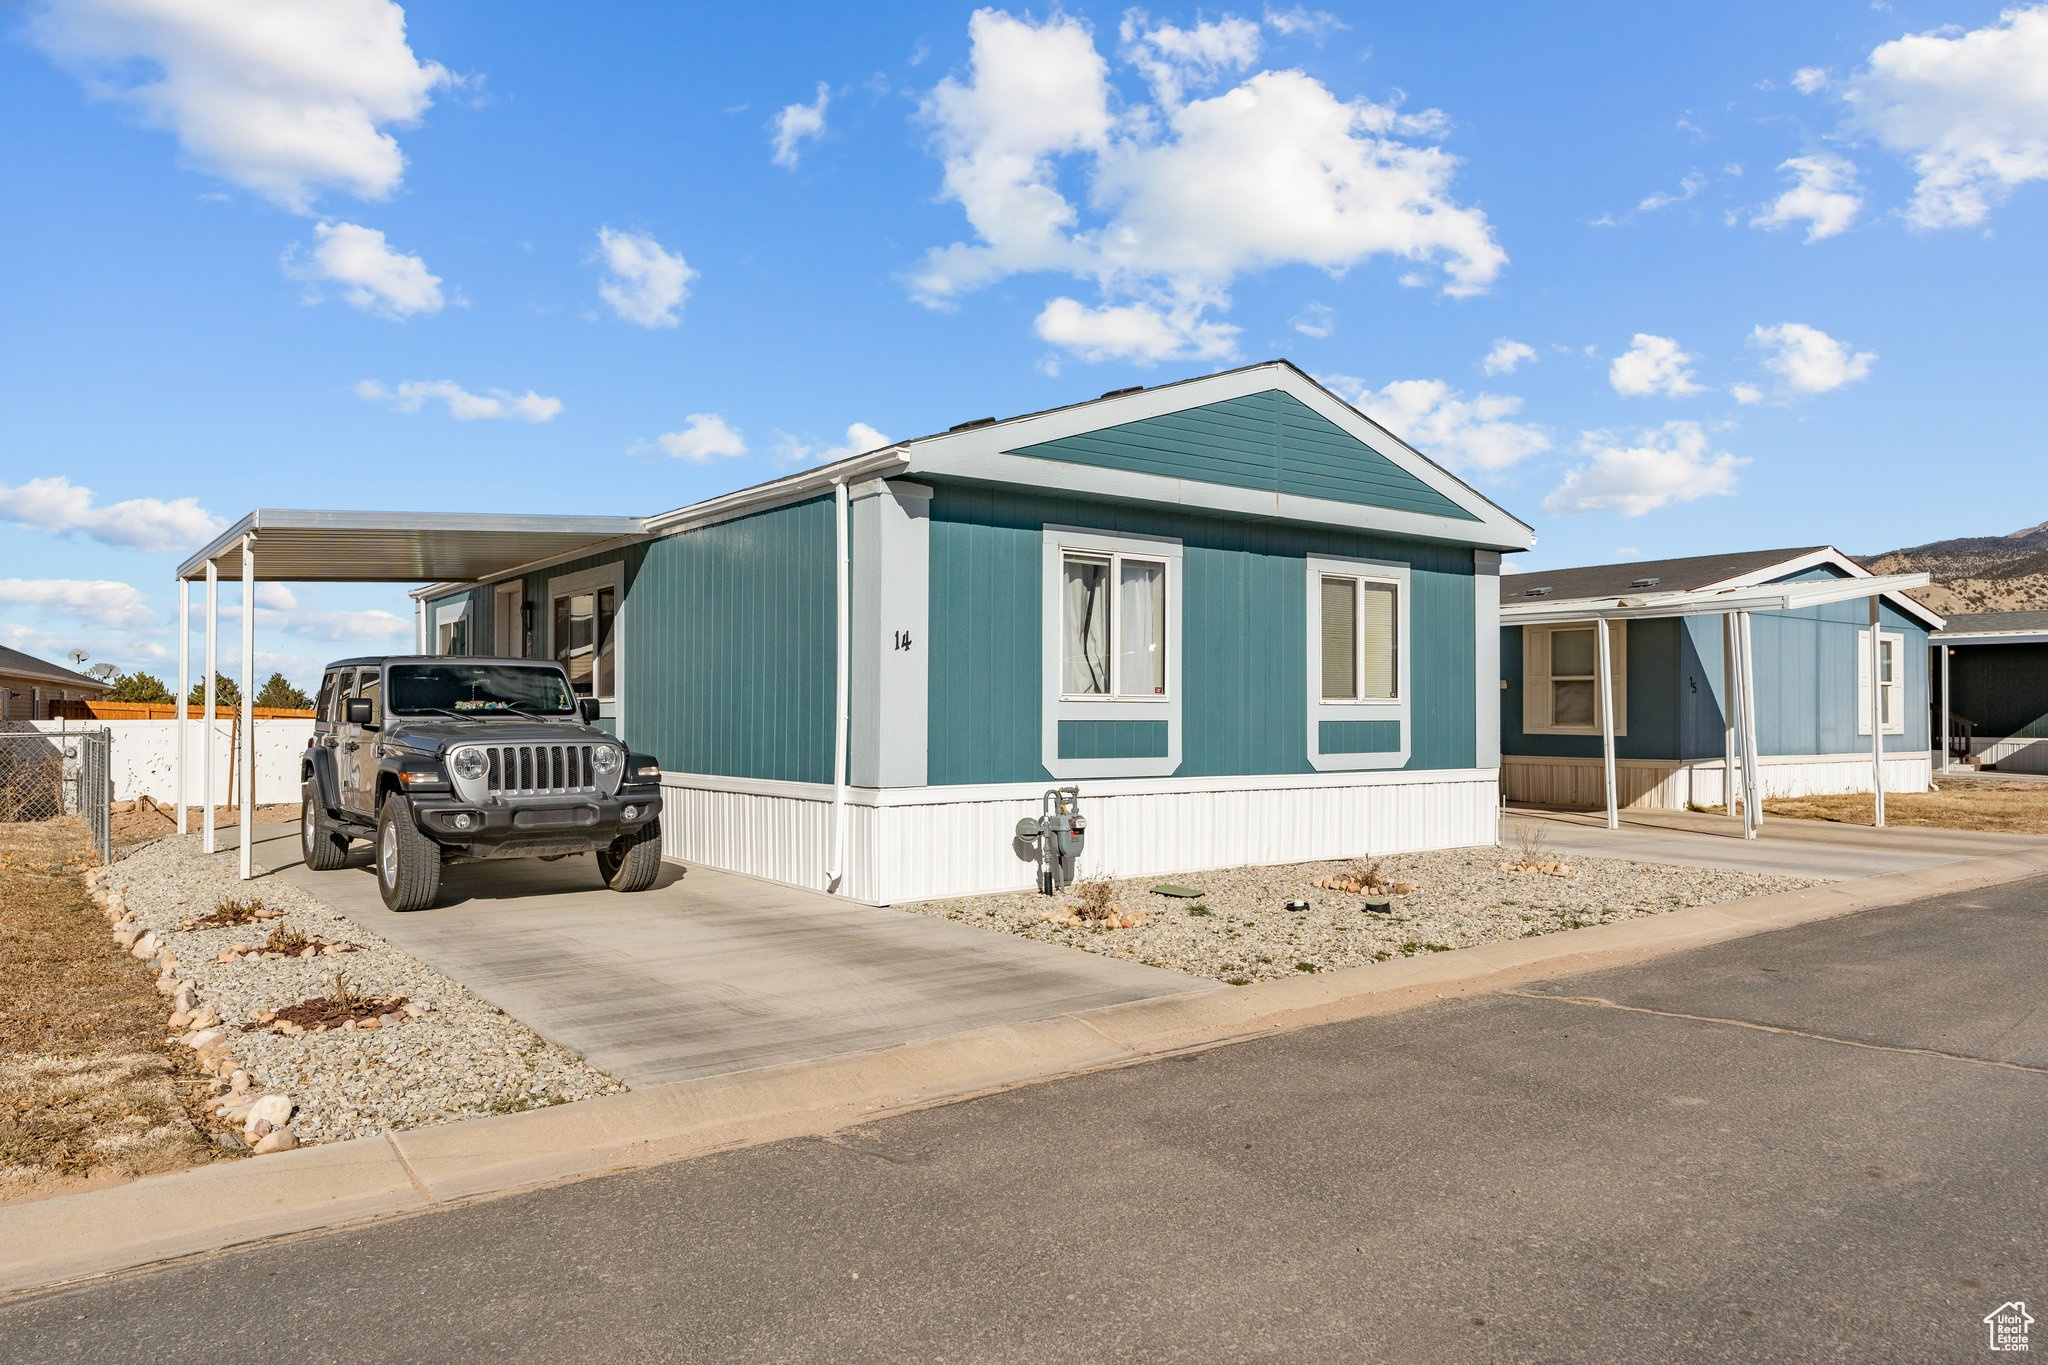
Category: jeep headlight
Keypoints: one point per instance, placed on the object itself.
(468, 764)
(605, 760)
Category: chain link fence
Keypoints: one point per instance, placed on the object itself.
(47, 776)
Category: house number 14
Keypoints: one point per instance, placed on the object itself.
(902, 639)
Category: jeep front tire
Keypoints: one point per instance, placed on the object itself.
(321, 848)
(408, 862)
(632, 861)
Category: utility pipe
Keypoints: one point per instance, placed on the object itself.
(842, 671)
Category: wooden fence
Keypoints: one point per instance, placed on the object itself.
(149, 710)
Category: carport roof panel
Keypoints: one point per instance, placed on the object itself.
(400, 547)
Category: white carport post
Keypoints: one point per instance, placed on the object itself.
(1728, 707)
(210, 710)
(1877, 711)
(1752, 811)
(1947, 720)
(245, 759)
(1604, 665)
(184, 722)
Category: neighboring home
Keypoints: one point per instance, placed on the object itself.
(28, 686)
(1252, 625)
(1671, 682)
(1996, 666)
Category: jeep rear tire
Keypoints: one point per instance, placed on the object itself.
(322, 849)
(408, 862)
(632, 861)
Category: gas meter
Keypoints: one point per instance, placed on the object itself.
(1058, 832)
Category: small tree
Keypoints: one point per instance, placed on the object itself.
(226, 694)
(278, 692)
(142, 687)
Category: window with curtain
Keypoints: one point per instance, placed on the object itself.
(583, 641)
(1574, 684)
(1112, 626)
(1360, 639)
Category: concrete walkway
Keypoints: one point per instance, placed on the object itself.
(1790, 848)
(709, 972)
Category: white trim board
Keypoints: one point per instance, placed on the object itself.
(1015, 791)
(1832, 558)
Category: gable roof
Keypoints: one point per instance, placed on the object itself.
(1693, 573)
(1997, 623)
(15, 664)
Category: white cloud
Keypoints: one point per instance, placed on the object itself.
(1182, 199)
(704, 436)
(285, 99)
(797, 124)
(1316, 320)
(1969, 109)
(1173, 59)
(1688, 186)
(374, 277)
(1808, 79)
(1137, 332)
(1468, 434)
(1652, 365)
(57, 505)
(1808, 359)
(1506, 356)
(1667, 464)
(498, 404)
(860, 439)
(1300, 21)
(644, 284)
(102, 602)
(1746, 393)
(338, 625)
(1823, 196)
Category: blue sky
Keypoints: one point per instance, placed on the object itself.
(1765, 274)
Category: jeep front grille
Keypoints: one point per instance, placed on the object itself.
(539, 769)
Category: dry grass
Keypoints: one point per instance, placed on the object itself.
(1978, 804)
(86, 1080)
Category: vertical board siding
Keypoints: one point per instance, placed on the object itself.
(1270, 441)
(1360, 736)
(2001, 689)
(1113, 739)
(1243, 611)
(1650, 785)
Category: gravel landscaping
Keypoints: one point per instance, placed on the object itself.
(1239, 930)
(437, 1054)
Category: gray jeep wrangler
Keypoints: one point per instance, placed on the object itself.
(441, 760)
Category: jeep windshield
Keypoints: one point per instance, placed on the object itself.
(478, 691)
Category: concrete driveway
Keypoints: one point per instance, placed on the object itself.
(709, 972)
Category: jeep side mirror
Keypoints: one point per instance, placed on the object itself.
(356, 711)
(588, 708)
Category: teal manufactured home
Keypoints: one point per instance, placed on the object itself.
(1248, 623)
(1671, 681)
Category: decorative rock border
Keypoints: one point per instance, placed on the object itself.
(263, 1117)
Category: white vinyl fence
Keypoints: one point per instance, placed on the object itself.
(144, 752)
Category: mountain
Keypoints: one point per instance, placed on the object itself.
(1977, 573)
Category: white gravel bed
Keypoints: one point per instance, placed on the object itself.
(1239, 930)
(464, 1057)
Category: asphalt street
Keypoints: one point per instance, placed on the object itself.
(1822, 1143)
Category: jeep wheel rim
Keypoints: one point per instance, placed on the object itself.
(311, 829)
(387, 854)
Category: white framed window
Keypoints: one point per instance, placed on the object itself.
(1112, 650)
(1358, 663)
(451, 626)
(1561, 681)
(508, 619)
(1891, 681)
(1113, 625)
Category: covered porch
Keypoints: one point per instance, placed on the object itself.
(272, 545)
(1735, 606)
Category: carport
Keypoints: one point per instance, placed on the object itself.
(274, 545)
(1734, 605)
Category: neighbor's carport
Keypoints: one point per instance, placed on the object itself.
(1734, 606)
(283, 546)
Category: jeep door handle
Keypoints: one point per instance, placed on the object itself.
(352, 746)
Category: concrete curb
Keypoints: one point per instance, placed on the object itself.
(61, 1240)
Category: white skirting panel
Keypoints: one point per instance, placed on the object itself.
(2012, 755)
(1652, 784)
(918, 844)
